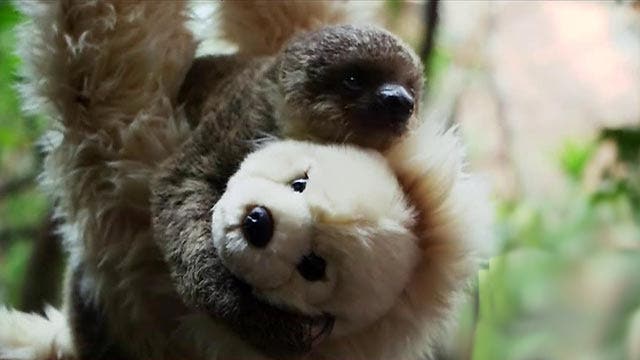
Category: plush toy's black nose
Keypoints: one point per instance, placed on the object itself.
(395, 102)
(257, 227)
(312, 267)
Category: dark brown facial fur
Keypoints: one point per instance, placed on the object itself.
(349, 84)
(338, 84)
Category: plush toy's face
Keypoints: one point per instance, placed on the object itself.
(318, 229)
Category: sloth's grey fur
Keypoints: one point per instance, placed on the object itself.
(109, 74)
(150, 285)
(232, 101)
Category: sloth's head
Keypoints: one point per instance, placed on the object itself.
(360, 85)
(318, 230)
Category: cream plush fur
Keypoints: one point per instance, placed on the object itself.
(399, 236)
(107, 73)
(31, 336)
(353, 214)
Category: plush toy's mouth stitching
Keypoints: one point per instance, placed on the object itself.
(322, 329)
(306, 330)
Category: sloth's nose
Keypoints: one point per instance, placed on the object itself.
(395, 101)
(312, 267)
(257, 227)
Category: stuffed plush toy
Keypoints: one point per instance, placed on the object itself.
(336, 84)
(379, 246)
(154, 273)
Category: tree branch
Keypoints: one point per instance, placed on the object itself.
(42, 280)
(431, 19)
(11, 233)
(17, 184)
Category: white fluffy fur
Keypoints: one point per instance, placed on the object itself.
(32, 336)
(400, 236)
(107, 73)
(352, 213)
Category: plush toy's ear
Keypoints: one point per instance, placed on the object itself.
(34, 337)
(262, 27)
(454, 217)
(430, 164)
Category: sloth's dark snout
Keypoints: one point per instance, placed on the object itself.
(312, 267)
(395, 102)
(257, 227)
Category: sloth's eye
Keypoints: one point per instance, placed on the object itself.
(353, 81)
(298, 185)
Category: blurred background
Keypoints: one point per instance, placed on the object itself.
(547, 97)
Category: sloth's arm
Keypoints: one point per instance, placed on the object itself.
(183, 195)
(260, 27)
(107, 74)
(101, 65)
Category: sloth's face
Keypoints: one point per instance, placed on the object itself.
(318, 230)
(349, 84)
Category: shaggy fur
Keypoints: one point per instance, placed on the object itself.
(109, 79)
(109, 74)
(415, 261)
(233, 102)
(32, 336)
(284, 19)
(300, 92)
(352, 213)
(410, 246)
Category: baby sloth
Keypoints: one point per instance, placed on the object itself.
(338, 84)
(134, 184)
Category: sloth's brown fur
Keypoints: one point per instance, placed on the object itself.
(233, 101)
(109, 74)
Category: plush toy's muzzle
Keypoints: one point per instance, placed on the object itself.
(270, 241)
(257, 228)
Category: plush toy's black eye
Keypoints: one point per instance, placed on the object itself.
(298, 185)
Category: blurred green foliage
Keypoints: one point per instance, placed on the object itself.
(16, 131)
(438, 61)
(565, 282)
(21, 210)
(574, 158)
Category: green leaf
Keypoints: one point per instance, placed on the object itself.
(575, 156)
(9, 16)
(12, 268)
